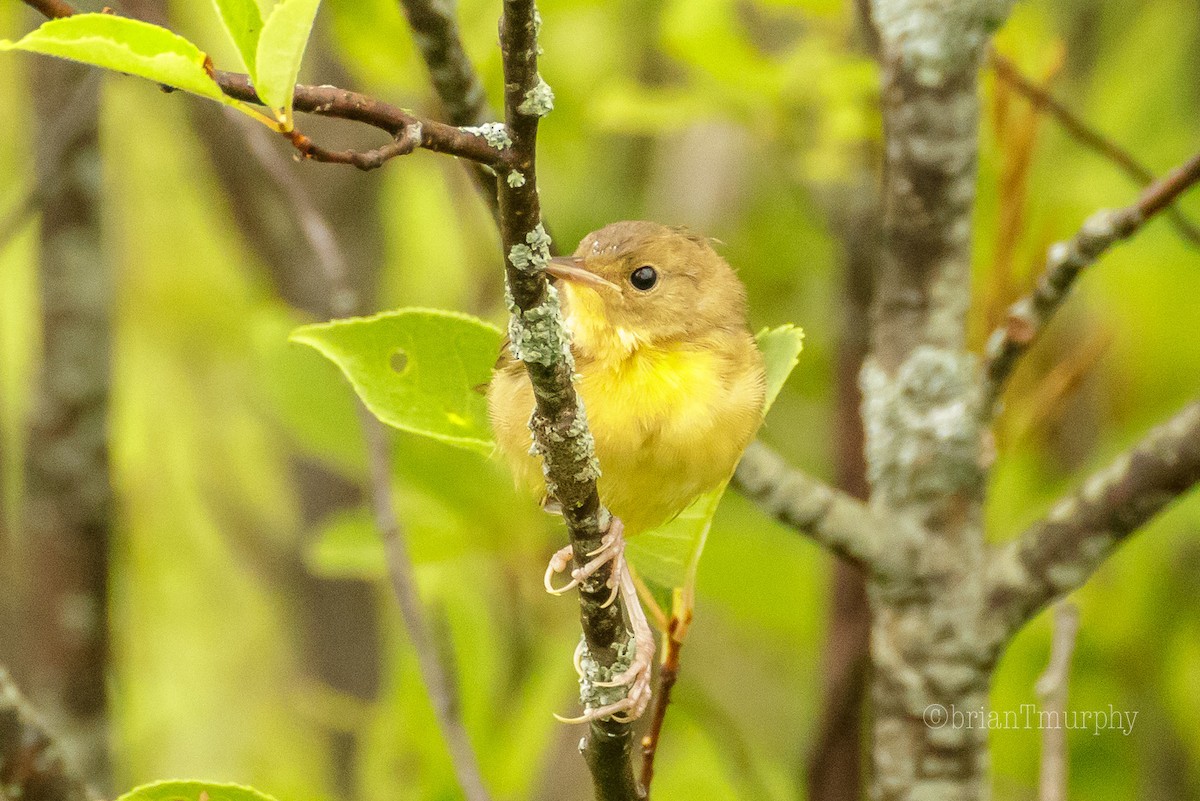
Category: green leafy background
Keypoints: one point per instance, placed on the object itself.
(744, 119)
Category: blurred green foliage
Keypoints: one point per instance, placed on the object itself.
(749, 119)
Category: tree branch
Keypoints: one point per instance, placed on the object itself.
(31, 766)
(454, 78)
(559, 424)
(835, 520)
(52, 8)
(1086, 135)
(1027, 318)
(437, 678)
(330, 101)
(1060, 552)
(404, 143)
(1052, 690)
(343, 301)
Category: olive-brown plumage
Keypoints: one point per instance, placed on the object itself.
(670, 377)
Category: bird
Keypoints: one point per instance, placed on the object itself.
(672, 384)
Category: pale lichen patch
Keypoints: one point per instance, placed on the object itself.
(532, 256)
(494, 133)
(539, 101)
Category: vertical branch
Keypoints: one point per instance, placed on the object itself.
(31, 763)
(68, 502)
(342, 301)
(539, 339)
(1052, 690)
(453, 76)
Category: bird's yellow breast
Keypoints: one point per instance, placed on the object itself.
(670, 422)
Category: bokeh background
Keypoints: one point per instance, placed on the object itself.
(252, 638)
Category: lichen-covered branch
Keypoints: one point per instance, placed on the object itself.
(559, 424)
(844, 525)
(1086, 135)
(473, 144)
(1028, 317)
(31, 765)
(1060, 552)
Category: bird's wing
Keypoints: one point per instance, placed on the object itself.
(504, 361)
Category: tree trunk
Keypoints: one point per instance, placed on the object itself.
(68, 503)
(922, 408)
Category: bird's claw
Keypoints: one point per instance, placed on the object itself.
(612, 549)
(636, 677)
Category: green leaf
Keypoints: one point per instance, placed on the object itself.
(280, 51)
(667, 557)
(781, 353)
(419, 370)
(125, 45)
(193, 791)
(243, 21)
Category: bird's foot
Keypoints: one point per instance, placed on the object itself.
(612, 549)
(636, 677)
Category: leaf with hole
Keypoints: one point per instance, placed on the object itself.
(420, 370)
(125, 45)
(175, 790)
(668, 557)
(243, 22)
(280, 51)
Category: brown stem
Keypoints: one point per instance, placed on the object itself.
(330, 101)
(1086, 135)
(403, 144)
(666, 681)
(52, 8)
(1028, 317)
(1052, 690)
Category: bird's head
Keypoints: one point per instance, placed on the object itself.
(632, 284)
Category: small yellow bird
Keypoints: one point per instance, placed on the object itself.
(670, 378)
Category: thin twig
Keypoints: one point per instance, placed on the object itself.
(1086, 135)
(1060, 552)
(1052, 690)
(1028, 317)
(343, 301)
(366, 160)
(666, 682)
(330, 101)
(434, 672)
(31, 764)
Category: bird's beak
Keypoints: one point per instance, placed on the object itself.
(569, 268)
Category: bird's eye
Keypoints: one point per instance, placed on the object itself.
(644, 278)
